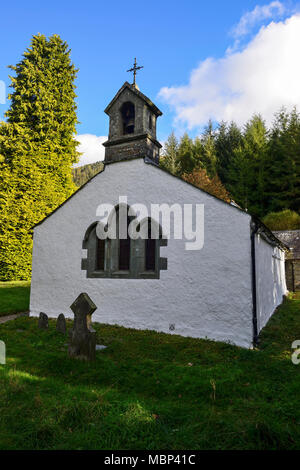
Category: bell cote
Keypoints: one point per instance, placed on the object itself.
(132, 126)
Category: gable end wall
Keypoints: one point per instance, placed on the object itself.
(204, 293)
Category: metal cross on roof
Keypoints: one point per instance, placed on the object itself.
(134, 69)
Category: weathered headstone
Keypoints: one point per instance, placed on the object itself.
(43, 321)
(82, 344)
(61, 325)
(2, 352)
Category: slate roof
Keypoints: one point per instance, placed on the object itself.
(137, 92)
(291, 238)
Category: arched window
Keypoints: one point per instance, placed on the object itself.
(128, 117)
(95, 262)
(123, 257)
(150, 121)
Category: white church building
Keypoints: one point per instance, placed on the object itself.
(225, 287)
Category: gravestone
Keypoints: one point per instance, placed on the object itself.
(2, 353)
(82, 337)
(61, 325)
(43, 321)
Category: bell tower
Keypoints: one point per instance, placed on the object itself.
(132, 125)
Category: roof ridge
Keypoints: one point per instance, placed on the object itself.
(148, 161)
(156, 110)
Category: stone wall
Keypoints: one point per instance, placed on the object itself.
(141, 116)
(292, 269)
(142, 142)
(296, 264)
(291, 238)
(132, 147)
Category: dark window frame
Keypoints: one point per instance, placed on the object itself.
(100, 254)
(137, 259)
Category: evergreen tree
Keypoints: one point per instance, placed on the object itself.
(186, 157)
(198, 151)
(209, 150)
(294, 133)
(228, 139)
(169, 160)
(282, 166)
(247, 168)
(238, 173)
(255, 146)
(37, 148)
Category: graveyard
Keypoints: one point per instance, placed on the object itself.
(149, 230)
(149, 390)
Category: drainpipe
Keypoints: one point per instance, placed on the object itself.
(254, 230)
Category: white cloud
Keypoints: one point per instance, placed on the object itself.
(260, 78)
(258, 14)
(91, 148)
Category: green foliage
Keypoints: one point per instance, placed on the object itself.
(150, 390)
(259, 167)
(228, 140)
(186, 157)
(170, 159)
(179, 157)
(284, 220)
(14, 297)
(37, 149)
(247, 167)
(200, 179)
(84, 173)
(283, 163)
(209, 157)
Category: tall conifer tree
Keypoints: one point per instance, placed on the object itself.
(37, 148)
(209, 150)
(283, 163)
(246, 173)
(228, 139)
(186, 156)
(169, 160)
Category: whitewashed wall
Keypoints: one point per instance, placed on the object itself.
(270, 279)
(204, 293)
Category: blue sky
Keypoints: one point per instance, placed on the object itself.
(185, 48)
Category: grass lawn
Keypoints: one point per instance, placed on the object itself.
(150, 391)
(14, 297)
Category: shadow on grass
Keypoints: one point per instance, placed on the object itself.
(150, 390)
